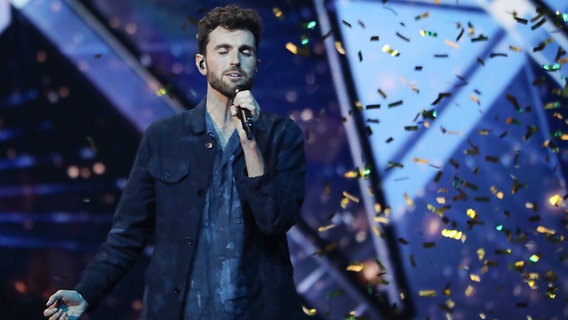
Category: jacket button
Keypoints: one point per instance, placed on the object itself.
(209, 145)
(166, 175)
(177, 290)
(201, 192)
(189, 240)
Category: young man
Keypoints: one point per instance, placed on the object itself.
(219, 203)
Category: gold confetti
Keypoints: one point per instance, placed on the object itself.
(325, 228)
(427, 293)
(339, 47)
(161, 92)
(544, 230)
(556, 200)
(278, 13)
(292, 47)
(468, 291)
(382, 220)
(447, 291)
(454, 234)
(377, 231)
(309, 312)
(496, 192)
(474, 98)
(474, 278)
(480, 254)
(350, 197)
(451, 44)
(355, 267)
(408, 200)
(421, 161)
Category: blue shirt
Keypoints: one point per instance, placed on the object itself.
(216, 288)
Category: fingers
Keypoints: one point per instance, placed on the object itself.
(53, 299)
(245, 100)
(55, 314)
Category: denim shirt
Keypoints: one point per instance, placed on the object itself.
(216, 288)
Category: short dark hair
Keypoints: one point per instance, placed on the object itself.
(231, 17)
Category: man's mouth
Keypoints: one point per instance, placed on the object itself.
(234, 75)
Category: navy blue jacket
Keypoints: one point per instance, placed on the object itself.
(165, 195)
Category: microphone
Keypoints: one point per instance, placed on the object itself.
(244, 115)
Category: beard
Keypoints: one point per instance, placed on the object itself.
(228, 88)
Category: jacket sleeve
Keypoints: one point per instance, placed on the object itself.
(276, 197)
(132, 226)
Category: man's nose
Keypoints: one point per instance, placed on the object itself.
(236, 59)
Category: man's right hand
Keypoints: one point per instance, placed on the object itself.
(65, 305)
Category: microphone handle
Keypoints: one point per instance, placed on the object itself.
(246, 120)
(245, 116)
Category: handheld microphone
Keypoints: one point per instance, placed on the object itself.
(245, 116)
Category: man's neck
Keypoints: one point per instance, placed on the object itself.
(218, 108)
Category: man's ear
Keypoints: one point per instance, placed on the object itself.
(200, 63)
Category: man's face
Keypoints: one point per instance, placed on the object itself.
(231, 60)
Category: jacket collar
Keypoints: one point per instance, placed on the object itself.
(195, 119)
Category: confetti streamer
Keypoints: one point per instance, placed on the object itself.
(538, 24)
(425, 33)
(480, 38)
(543, 44)
(551, 67)
(387, 48)
(494, 55)
(395, 104)
(462, 31)
(422, 16)
(402, 37)
(514, 102)
(429, 245)
(440, 97)
(412, 261)
(521, 20)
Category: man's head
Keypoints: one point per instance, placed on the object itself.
(231, 18)
(228, 40)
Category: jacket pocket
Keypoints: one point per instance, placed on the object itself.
(168, 170)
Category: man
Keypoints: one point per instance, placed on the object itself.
(218, 203)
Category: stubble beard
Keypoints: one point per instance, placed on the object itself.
(227, 89)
